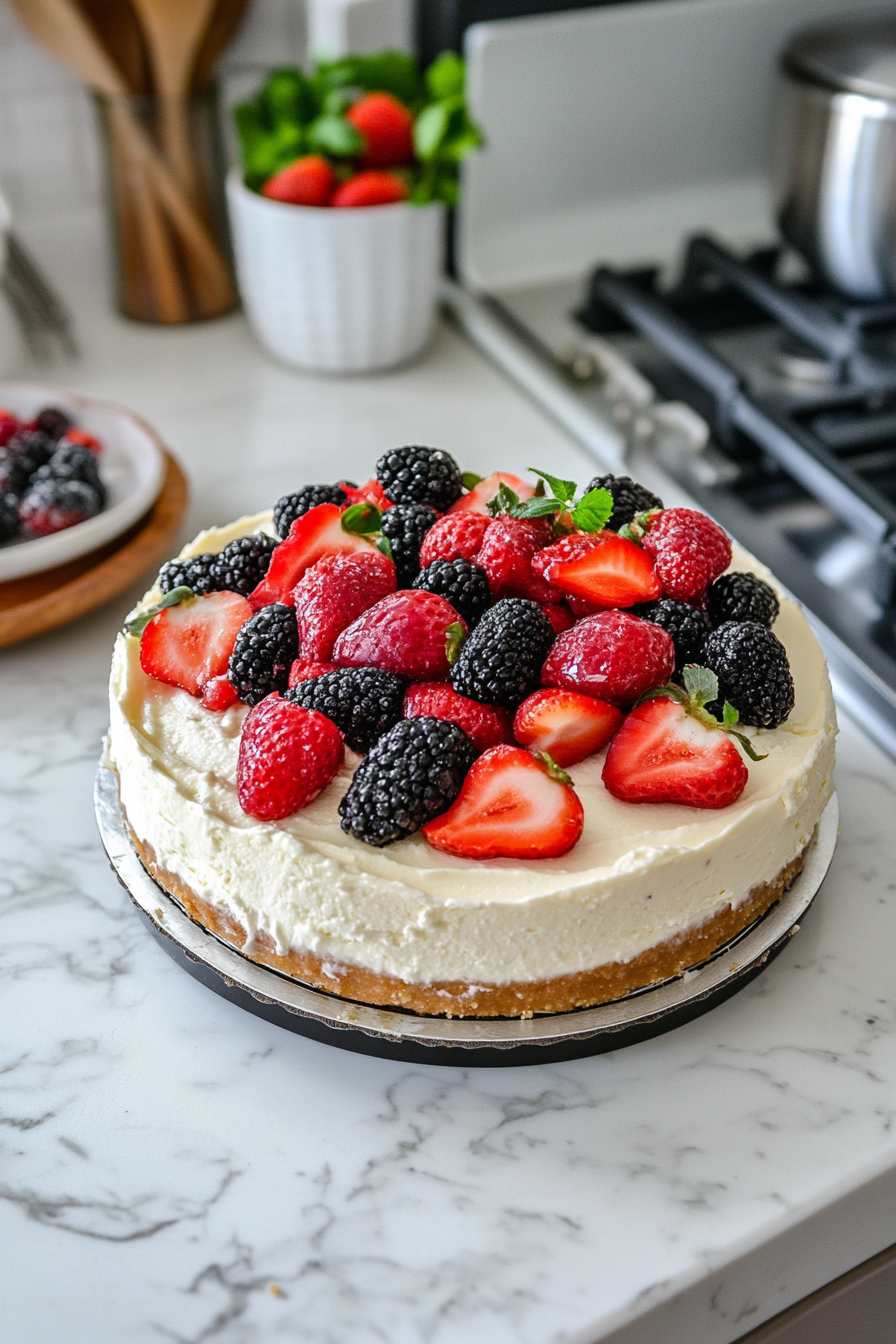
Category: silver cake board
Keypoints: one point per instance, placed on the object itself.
(394, 1033)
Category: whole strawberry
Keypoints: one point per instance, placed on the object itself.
(506, 554)
(457, 536)
(308, 181)
(387, 127)
(613, 656)
(485, 725)
(374, 186)
(333, 592)
(287, 755)
(413, 633)
(689, 551)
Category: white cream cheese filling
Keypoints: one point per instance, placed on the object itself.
(640, 874)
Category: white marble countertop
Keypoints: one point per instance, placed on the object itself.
(172, 1168)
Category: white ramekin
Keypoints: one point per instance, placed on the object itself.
(341, 291)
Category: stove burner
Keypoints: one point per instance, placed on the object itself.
(798, 362)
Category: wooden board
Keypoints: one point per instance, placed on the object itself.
(41, 602)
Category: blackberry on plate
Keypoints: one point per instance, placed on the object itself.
(418, 475)
(687, 625)
(32, 447)
(406, 525)
(73, 462)
(742, 597)
(194, 573)
(54, 422)
(754, 674)
(290, 507)
(53, 505)
(629, 498)
(243, 563)
(263, 653)
(14, 473)
(501, 661)
(461, 583)
(9, 515)
(363, 702)
(412, 774)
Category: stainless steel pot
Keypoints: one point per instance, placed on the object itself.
(834, 163)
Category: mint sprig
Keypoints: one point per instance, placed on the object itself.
(172, 599)
(701, 687)
(589, 513)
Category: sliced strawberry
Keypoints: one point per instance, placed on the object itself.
(485, 725)
(566, 724)
(333, 592)
(218, 694)
(317, 533)
(559, 615)
(190, 644)
(287, 755)
(371, 492)
(413, 633)
(304, 669)
(661, 754)
(457, 536)
(506, 554)
(510, 807)
(613, 656)
(601, 567)
(476, 500)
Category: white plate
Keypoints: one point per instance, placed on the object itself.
(132, 465)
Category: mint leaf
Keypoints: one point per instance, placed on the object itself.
(701, 684)
(430, 128)
(172, 599)
(505, 501)
(335, 136)
(563, 490)
(359, 519)
(470, 479)
(537, 507)
(730, 716)
(385, 545)
(592, 513)
(445, 77)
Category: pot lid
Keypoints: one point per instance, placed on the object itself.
(854, 57)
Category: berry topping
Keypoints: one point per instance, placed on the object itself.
(194, 573)
(243, 563)
(265, 650)
(687, 625)
(629, 498)
(405, 526)
(333, 592)
(603, 569)
(501, 661)
(73, 462)
(484, 725)
(753, 671)
(190, 644)
(9, 425)
(303, 669)
(307, 181)
(317, 533)
(52, 505)
(371, 187)
(567, 724)
(53, 422)
(690, 551)
(662, 754)
(371, 492)
(9, 514)
(458, 536)
(411, 633)
(287, 755)
(218, 694)
(461, 583)
(742, 597)
(15, 472)
(511, 806)
(387, 126)
(85, 440)
(560, 616)
(32, 447)
(612, 656)
(414, 772)
(420, 476)
(363, 702)
(290, 507)
(477, 499)
(506, 554)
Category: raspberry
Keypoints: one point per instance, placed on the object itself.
(690, 551)
(243, 563)
(753, 671)
(194, 573)
(501, 661)
(290, 507)
(742, 597)
(53, 505)
(629, 498)
(265, 649)
(687, 625)
(506, 554)
(411, 633)
(287, 755)
(333, 592)
(405, 526)
(363, 702)
(613, 656)
(461, 583)
(485, 725)
(458, 536)
(420, 476)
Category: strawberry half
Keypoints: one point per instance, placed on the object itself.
(218, 695)
(371, 492)
(601, 567)
(317, 533)
(457, 536)
(567, 724)
(413, 633)
(476, 500)
(511, 806)
(287, 755)
(611, 656)
(333, 592)
(662, 754)
(506, 554)
(485, 725)
(190, 644)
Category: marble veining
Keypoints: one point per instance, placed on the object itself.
(173, 1169)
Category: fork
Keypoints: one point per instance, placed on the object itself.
(42, 316)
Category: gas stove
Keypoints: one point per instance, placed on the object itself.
(739, 383)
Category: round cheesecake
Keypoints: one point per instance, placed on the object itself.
(649, 890)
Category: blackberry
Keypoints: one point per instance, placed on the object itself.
(363, 702)
(406, 525)
(412, 774)
(9, 515)
(53, 505)
(420, 476)
(500, 663)
(14, 473)
(687, 625)
(73, 462)
(194, 573)
(754, 674)
(243, 563)
(54, 422)
(461, 583)
(629, 498)
(742, 597)
(290, 507)
(263, 653)
(32, 448)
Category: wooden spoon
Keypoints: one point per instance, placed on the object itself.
(118, 30)
(226, 19)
